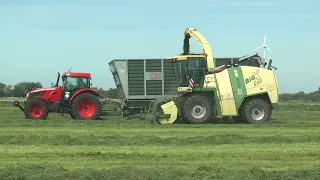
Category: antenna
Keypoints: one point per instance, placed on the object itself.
(264, 47)
(69, 69)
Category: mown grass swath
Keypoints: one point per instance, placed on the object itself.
(126, 148)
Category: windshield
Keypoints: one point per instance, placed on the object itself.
(73, 83)
(192, 68)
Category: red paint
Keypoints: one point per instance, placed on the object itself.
(82, 90)
(77, 74)
(49, 94)
(191, 83)
(86, 108)
(218, 70)
(36, 110)
(154, 74)
(54, 94)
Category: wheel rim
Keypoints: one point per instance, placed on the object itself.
(86, 108)
(257, 114)
(36, 110)
(198, 110)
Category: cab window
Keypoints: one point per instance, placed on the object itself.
(70, 83)
(84, 82)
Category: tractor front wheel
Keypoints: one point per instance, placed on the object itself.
(198, 109)
(85, 106)
(36, 109)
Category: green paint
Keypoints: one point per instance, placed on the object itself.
(237, 84)
(203, 89)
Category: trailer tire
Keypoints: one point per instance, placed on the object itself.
(36, 109)
(203, 105)
(85, 106)
(256, 111)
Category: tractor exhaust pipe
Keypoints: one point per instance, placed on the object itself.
(16, 104)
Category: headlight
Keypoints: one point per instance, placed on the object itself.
(27, 95)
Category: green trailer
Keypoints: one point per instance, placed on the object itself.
(139, 81)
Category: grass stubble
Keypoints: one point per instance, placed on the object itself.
(124, 148)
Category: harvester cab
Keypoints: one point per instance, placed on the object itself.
(245, 93)
(75, 96)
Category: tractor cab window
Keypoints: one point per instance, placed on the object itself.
(84, 83)
(73, 83)
(69, 83)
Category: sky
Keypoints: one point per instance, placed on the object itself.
(40, 38)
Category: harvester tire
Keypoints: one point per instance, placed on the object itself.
(198, 109)
(256, 111)
(36, 109)
(85, 106)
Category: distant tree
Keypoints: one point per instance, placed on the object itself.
(2, 86)
(111, 93)
(103, 92)
(21, 89)
(8, 90)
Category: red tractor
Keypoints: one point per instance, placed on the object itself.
(75, 97)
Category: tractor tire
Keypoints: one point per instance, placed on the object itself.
(36, 109)
(85, 106)
(256, 111)
(198, 109)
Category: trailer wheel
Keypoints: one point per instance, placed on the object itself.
(36, 109)
(85, 106)
(256, 111)
(198, 109)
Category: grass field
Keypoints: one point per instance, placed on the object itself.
(116, 148)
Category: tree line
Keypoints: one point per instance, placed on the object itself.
(21, 89)
(301, 96)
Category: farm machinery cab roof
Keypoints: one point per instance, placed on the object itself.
(75, 97)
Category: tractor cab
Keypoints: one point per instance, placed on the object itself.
(74, 81)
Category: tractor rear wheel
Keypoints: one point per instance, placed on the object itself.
(36, 109)
(85, 106)
(256, 111)
(198, 109)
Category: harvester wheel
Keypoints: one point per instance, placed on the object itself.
(256, 111)
(85, 106)
(198, 109)
(36, 109)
